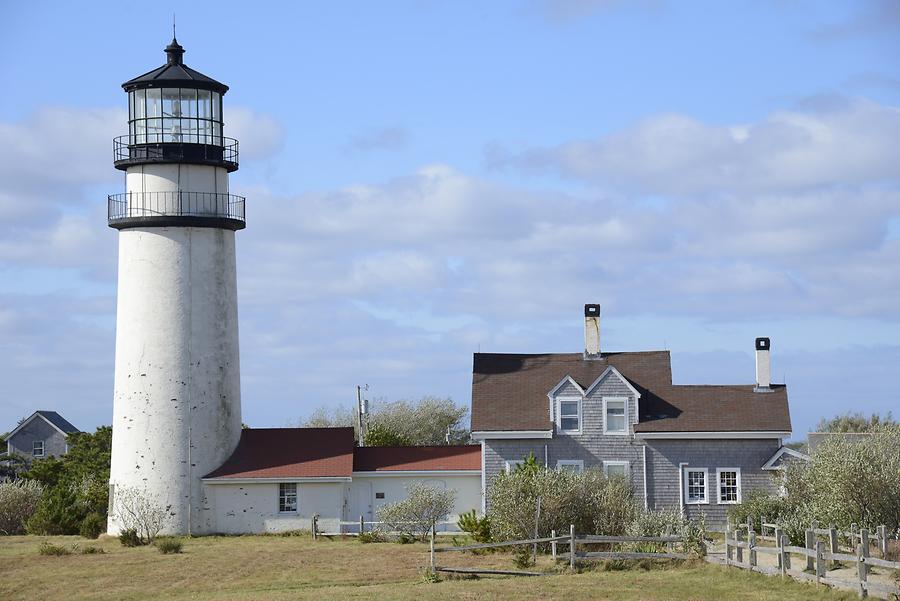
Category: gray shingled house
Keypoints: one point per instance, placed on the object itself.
(42, 434)
(695, 447)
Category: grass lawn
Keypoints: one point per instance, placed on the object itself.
(269, 567)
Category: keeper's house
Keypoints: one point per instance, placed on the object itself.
(698, 448)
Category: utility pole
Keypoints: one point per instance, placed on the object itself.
(361, 410)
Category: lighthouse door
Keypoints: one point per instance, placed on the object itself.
(361, 503)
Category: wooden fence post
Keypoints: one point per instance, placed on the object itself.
(883, 541)
(537, 521)
(864, 541)
(811, 545)
(432, 547)
(833, 543)
(779, 546)
(738, 539)
(749, 525)
(784, 558)
(862, 571)
(572, 546)
(820, 561)
(854, 534)
(553, 545)
(729, 550)
(751, 541)
(315, 526)
(362, 525)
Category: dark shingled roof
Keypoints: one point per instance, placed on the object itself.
(509, 392)
(174, 74)
(387, 459)
(59, 421)
(290, 453)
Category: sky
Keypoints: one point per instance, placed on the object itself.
(426, 180)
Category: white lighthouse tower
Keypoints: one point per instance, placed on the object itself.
(177, 404)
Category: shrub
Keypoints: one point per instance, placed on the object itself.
(19, 499)
(423, 507)
(592, 502)
(93, 525)
(137, 511)
(478, 528)
(523, 557)
(406, 539)
(129, 538)
(372, 536)
(757, 505)
(92, 551)
(668, 522)
(167, 545)
(51, 549)
(57, 513)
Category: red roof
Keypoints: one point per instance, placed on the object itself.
(392, 459)
(290, 453)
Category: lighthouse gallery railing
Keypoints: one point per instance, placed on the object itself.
(175, 203)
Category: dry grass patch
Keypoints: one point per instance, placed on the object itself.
(266, 567)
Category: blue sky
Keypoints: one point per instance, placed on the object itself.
(427, 179)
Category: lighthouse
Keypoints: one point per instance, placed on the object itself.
(177, 398)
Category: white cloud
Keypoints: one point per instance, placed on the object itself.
(260, 135)
(825, 141)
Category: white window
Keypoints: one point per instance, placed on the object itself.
(512, 464)
(695, 486)
(729, 480)
(287, 497)
(569, 412)
(572, 465)
(615, 468)
(614, 411)
(37, 448)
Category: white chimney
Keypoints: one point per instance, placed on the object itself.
(763, 366)
(592, 331)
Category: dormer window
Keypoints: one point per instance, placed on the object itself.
(614, 412)
(569, 415)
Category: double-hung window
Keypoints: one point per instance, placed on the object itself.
(287, 497)
(571, 465)
(512, 464)
(614, 413)
(729, 484)
(37, 448)
(569, 414)
(615, 468)
(695, 486)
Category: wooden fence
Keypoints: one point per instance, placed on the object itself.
(360, 526)
(573, 543)
(817, 553)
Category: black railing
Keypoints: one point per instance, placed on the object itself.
(170, 148)
(163, 206)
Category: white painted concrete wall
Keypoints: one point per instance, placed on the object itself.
(253, 508)
(177, 399)
(467, 487)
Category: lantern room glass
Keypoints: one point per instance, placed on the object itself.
(186, 115)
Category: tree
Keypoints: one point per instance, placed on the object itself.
(422, 422)
(18, 501)
(379, 436)
(855, 422)
(418, 513)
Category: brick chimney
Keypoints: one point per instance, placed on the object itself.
(763, 366)
(592, 331)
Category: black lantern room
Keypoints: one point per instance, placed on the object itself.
(175, 115)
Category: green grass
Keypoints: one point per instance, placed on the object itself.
(265, 567)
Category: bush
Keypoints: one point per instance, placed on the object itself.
(372, 536)
(423, 507)
(136, 510)
(668, 522)
(478, 528)
(167, 545)
(523, 557)
(19, 499)
(93, 551)
(592, 502)
(758, 505)
(93, 525)
(129, 538)
(58, 512)
(51, 549)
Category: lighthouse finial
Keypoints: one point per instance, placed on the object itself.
(174, 51)
(173, 28)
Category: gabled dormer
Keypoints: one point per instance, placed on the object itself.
(609, 406)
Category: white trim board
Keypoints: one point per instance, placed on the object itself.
(770, 464)
(567, 380)
(388, 473)
(506, 434)
(286, 480)
(708, 435)
(740, 495)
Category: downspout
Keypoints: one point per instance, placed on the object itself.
(644, 453)
(546, 457)
(681, 467)
(483, 482)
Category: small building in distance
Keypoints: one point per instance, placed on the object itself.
(42, 434)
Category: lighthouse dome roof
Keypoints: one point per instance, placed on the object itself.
(175, 74)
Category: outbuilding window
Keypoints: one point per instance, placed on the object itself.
(569, 412)
(287, 497)
(37, 448)
(729, 479)
(695, 486)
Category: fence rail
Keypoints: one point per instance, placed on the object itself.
(817, 555)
